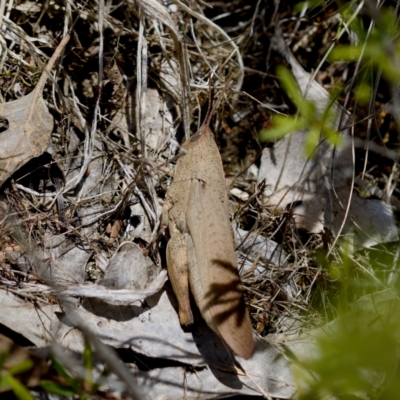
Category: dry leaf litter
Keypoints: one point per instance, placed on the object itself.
(87, 154)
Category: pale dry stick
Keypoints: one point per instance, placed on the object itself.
(4, 51)
(367, 144)
(139, 194)
(153, 196)
(258, 307)
(262, 391)
(53, 94)
(34, 192)
(263, 105)
(141, 84)
(253, 20)
(250, 272)
(46, 73)
(2, 8)
(223, 33)
(25, 286)
(199, 108)
(9, 8)
(256, 292)
(67, 16)
(292, 303)
(389, 187)
(205, 86)
(25, 295)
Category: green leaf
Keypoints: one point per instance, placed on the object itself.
(387, 23)
(281, 127)
(63, 373)
(356, 24)
(389, 68)
(310, 4)
(363, 93)
(332, 136)
(290, 86)
(55, 388)
(17, 387)
(88, 363)
(21, 367)
(88, 356)
(3, 357)
(345, 53)
(312, 141)
(4, 383)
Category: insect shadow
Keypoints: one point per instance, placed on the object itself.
(226, 298)
(226, 301)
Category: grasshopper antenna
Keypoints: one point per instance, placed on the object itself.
(213, 107)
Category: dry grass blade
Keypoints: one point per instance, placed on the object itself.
(158, 11)
(208, 22)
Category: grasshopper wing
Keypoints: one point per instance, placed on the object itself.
(213, 270)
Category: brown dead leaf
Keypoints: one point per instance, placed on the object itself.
(29, 125)
(114, 230)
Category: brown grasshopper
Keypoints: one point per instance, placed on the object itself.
(200, 252)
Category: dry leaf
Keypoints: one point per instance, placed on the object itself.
(114, 229)
(256, 245)
(118, 297)
(156, 332)
(318, 189)
(30, 125)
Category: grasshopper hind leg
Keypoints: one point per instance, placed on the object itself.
(177, 262)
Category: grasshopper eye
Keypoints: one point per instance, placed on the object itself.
(181, 225)
(196, 136)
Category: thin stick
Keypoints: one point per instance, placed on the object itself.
(2, 8)
(45, 74)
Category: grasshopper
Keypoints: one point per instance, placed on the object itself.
(200, 253)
